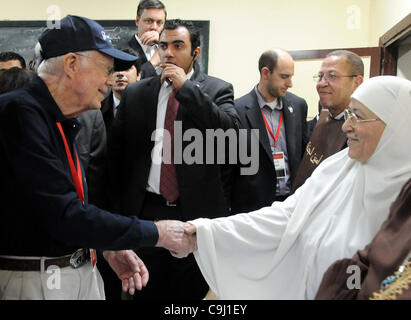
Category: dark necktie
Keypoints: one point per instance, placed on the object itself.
(168, 178)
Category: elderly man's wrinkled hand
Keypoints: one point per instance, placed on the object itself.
(172, 236)
(129, 268)
(189, 244)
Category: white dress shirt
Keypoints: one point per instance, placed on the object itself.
(149, 51)
(153, 184)
(116, 102)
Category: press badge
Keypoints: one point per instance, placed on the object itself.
(279, 164)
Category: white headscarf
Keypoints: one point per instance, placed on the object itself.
(282, 251)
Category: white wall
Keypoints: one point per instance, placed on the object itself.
(384, 15)
(241, 30)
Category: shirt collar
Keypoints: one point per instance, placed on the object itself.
(277, 104)
(116, 101)
(338, 117)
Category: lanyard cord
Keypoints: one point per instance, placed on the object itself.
(277, 134)
(76, 174)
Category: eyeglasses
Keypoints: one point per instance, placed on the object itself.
(109, 69)
(348, 115)
(331, 77)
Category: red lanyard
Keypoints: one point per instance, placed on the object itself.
(269, 129)
(76, 174)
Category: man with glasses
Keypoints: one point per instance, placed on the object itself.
(340, 74)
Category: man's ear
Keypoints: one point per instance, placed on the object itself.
(265, 73)
(196, 54)
(71, 64)
(358, 80)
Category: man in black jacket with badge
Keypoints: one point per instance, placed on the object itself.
(279, 117)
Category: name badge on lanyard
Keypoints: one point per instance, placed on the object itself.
(279, 164)
(278, 157)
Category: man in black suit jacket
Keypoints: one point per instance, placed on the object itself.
(280, 118)
(313, 122)
(121, 80)
(151, 16)
(135, 161)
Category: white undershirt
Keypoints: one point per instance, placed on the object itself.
(149, 51)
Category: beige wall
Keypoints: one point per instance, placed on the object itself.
(241, 30)
(385, 15)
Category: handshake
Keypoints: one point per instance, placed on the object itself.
(177, 237)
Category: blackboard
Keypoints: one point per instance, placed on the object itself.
(21, 36)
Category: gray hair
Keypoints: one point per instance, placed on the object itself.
(353, 59)
(51, 65)
(37, 58)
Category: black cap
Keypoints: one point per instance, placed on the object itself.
(81, 34)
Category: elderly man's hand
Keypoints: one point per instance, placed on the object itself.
(129, 268)
(170, 234)
(177, 237)
(189, 242)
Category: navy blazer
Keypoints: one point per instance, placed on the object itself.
(41, 213)
(251, 192)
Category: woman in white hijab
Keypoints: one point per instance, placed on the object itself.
(282, 251)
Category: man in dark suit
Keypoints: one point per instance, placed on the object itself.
(148, 183)
(121, 80)
(151, 16)
(280, 118)
(313, 122)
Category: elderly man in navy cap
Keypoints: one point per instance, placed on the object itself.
(47, 226)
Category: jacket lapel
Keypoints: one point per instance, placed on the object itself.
(256, 121)
(150, 103)
(290, 129)
(133, 43)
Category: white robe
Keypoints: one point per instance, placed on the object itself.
(282, 251)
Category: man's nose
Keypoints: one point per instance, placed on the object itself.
(323, 81)
(119, 75)
(110, 80)
(154, 26)
(168, 52)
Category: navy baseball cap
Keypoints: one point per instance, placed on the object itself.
(81, 34)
